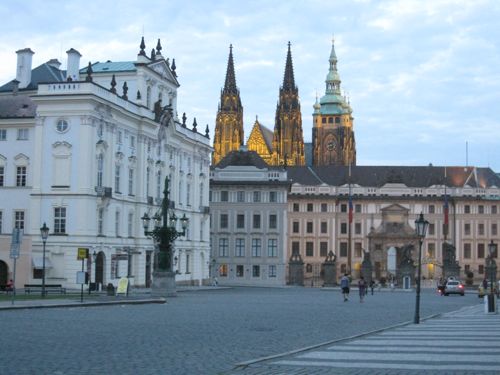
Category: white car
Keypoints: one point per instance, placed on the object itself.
(454, 287)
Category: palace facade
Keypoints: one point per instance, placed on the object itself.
(86, 151)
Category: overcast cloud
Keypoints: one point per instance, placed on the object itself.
(423, 77)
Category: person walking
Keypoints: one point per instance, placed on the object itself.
(344, 285)
(372, 286)
(362, 288)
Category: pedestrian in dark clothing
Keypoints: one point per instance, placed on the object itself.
(344, 285)
(372, 286)
(362, 289)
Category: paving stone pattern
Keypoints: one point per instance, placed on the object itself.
(202, 332)
(461, 343)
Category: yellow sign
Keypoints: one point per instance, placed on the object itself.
(122, 286)
(83, 253)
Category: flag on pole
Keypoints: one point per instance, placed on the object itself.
(446, 209)
(350, 207)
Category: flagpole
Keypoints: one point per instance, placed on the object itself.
(445, 209)
(349, 238)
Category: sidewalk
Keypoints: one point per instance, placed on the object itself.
(136, 296)
(466, 341)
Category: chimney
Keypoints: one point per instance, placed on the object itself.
(23, 73)
(73, 71)
(54, 63)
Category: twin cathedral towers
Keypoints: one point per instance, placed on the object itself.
(332, 133)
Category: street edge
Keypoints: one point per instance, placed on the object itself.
(86, 304)
(307, 348)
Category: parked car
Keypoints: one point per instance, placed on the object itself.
(454, 287)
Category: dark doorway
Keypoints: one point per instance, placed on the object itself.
(4, 272)
(99, 269)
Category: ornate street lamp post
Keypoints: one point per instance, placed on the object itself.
(44, 231)
(164, 234)
(420, 230)
(491, 264)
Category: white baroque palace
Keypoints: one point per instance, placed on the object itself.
(87, 152)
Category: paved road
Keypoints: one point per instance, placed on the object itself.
(462, 342)
(203, 332)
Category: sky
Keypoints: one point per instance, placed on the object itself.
(422, 77)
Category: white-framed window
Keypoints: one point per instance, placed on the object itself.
(117, 178)
(256, 196)
(117, 223)
(224, 221)
(132, 141)
(187, 263)
(130, 181)
(223, 247)
(239, 248)
(3, 134)
(23, 134)
(273, 221)
(60, 220)
(119, 137)
(19, 219)
(148, 178)
(188, 194)
(255, 271)
(1, 221)
(202, 186)
(272, 270)
(158, 185)
(2, 175)
(130, 224)
(100, 221)
(256, 247)
(100, 169)
(21, 176)
(62, 126)
(272, 247)
(224, 196)
(273, 196)
(240, 196)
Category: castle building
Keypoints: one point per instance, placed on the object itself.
(86, 151)
(228, 135)
(332, 134)
(248, 204)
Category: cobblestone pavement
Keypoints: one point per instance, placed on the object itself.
(462, 342)
(199, 332)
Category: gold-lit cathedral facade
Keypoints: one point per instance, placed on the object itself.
(333, 140)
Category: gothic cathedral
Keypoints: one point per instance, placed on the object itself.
(229, 123)
(332, 136)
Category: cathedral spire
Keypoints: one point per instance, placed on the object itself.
(332, 78)
(228, 135)
(230, 84)
(289, 80)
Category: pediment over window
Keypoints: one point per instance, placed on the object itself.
(21, 160)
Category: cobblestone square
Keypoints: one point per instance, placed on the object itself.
(198, 332)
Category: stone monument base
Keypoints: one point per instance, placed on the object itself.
(163, 284)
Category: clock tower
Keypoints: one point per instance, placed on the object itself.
(333, 134)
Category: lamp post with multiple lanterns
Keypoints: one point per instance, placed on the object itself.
(164, 233)
(44, 231)
(491, 264)
(420, 230)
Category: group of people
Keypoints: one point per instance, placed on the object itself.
(363, 286)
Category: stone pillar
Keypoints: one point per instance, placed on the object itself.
(296, 270)
(330, 270)
(163, 284)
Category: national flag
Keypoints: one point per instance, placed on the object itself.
(350, 207)
(446, 209)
